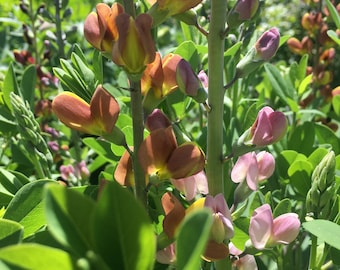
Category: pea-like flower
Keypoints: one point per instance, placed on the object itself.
(165, 75)
(134, 48)
(159, 154)
(243, 10)
(269, 127)
(97, 118)
(100, 27)
(266, 231)
(263, 50)
(253, 168)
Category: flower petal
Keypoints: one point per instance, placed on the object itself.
(266, 165)
(186, 160)
(260, 228)
(156, 149)
(286, 227)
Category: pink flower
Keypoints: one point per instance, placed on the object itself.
(192, 185)
(269, 127)
(245, 262)
(254, 168)
(265, 231)
(222, 227)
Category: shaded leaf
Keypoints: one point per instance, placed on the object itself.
(122, 230)
(10, 232)
(192, 238)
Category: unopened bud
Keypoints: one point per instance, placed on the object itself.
(244, 10)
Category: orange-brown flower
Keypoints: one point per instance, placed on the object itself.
(100, 28)
(159, 154)
(300, 47)
(97, 118)
(134, 48)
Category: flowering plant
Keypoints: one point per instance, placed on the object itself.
(169, 135)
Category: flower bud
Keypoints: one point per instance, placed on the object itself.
(244, 10)
(188, 82)
(263, 50)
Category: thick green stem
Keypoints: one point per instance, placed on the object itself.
(214, 168)
(59, 33)
(138, 137)
(313, 249)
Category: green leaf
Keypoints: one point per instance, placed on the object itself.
(9, 181)
(241, 228)
(188, 51)
(33, 256)
(68, 215)
(28, 83)
(334, 36)
(233, 49)
(334, 13)
(279, 85)
(10, 232)
(85, 72)
(317, 156)
(336, 104)
(305, 82)
(285, 159)
(326, 136)
(284, 206)
(300, 176)
(325, 230)
(302, 67)
(27, 207)
(101, 147)
(302, 139)
(122, 230)
(192, 238)
(10, 84)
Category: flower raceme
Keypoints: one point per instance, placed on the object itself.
(100, 27)
(266, 231)
(97, 118)
(253, 168)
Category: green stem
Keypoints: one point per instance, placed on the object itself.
(138, 137)
(313, 249)
(129, 7)
(59, 32)
(214, 168)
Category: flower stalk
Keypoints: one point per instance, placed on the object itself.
(214, 167)
(138, 136)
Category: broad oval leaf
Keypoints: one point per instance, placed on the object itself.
(122, 232)
(10, 232)
(192, 238)
(27, 207)
(68, 215)
(34, 256)
(325, 230)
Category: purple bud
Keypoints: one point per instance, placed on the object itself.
(267, 45)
